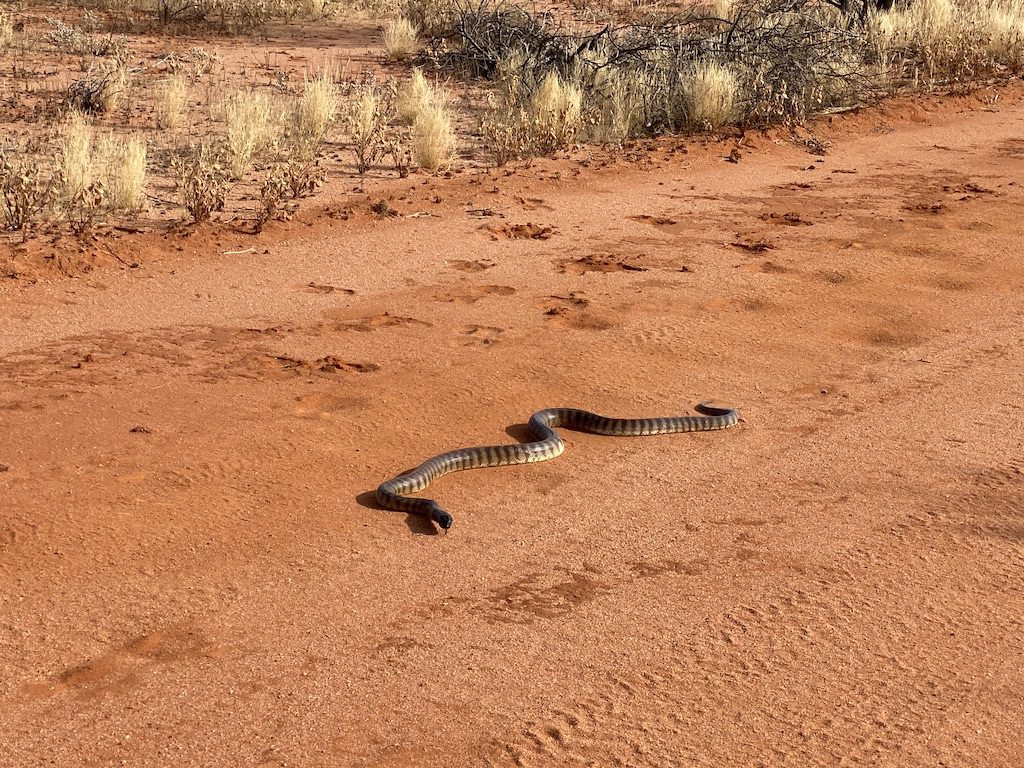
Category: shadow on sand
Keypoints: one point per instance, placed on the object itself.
(418, 524)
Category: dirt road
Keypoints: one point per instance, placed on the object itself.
(193, 573)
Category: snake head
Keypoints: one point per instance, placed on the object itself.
(442, 518)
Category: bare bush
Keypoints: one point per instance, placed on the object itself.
(367, 119)
(272, 202)
(203, 180)
(85, 207)
(67, 38)
(400, 152)
(101, 89)
(786, 56)
(26, 185)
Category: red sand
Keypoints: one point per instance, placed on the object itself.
(193, 573)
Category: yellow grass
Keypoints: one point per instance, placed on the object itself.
(712, 95)
(400, 39)
(250, 123)
(618, 108)
(433, 138)
(556, 111)
(171, 101)
(924, 23)
(116, 90)
(6, 30)
(74, 156)
(724, 9)
(413, 97)
(1003, 23)
(318, 106)
(121, 168)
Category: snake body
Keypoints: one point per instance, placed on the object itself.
(548, 445)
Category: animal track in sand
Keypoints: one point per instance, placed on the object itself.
(471, 293)
(374, 322)
(529, 598)
(323, 288)
(764, 267)
(120, 670)
(833, 276)
(1010, 148)
(527, 231)
(483, 335)
(747, 304)
(760, 245)
(320, 404)
(464, 265)
(270, 364)
(894, 335)
(604, 262)
(654, 221)
(568, 311)
(533, 204)
(789, 219)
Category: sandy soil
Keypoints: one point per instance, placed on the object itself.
(194, 574)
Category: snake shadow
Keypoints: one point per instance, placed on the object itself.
(418, 524)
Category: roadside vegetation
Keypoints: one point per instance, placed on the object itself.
(457, 82)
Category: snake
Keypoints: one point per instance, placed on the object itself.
(393, 494)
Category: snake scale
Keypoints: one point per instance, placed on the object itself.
(548, 445)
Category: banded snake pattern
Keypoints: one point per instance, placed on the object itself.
(393, 493)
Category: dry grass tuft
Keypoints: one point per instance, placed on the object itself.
(121, 168)
(556, 112)
(712, 94)
(430, 17)
(433, 138)
(172, 100)
(400, 39)
(316, 9)
(724, 9)
(1003, 24)
(74, 157)
(318, 107)
(413, 97)
(6, 30)
(615, 103)
(250, 124)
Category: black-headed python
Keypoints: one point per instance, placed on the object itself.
(547, 446)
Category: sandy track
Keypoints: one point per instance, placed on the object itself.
(835, 582)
